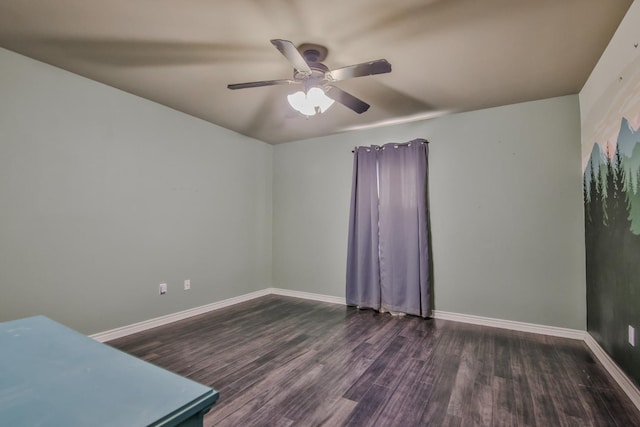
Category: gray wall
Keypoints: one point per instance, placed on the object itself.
(506, 211)
(105, 195)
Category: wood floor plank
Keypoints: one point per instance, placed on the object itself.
(503, 403)
(369, 407)
(524, 412)
(335, 414)
(465, 379)
(441, 373)
(407, 402)
(280, 361)
(479, 410)
(393, 351)
(262, 393)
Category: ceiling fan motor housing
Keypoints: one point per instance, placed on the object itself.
(312, 54)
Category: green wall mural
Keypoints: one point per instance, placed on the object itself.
(612, 221)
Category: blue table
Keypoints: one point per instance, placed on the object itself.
(51, 375)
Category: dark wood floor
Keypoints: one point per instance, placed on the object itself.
(281, 361)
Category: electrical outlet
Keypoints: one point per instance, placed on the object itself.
(187, 285)
(632, 336)
(163, 288)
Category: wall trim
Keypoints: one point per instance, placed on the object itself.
(533, 328)
(614, 370)
(174, 317)
(307, 295)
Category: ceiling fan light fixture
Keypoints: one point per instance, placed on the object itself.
(315, 101)
(309, 71)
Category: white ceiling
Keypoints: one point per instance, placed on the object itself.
(447, 55)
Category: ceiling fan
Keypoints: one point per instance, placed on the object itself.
(319, 91)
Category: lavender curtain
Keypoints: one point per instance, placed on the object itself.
(403, 241)
(363, 268)
(393, 241)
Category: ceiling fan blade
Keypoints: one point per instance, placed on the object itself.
(379, 66)
(262, 83)
(346, 99)
(292, 54)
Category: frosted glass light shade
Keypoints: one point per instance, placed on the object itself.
(318, 98)
(300, 103)
(314, 101)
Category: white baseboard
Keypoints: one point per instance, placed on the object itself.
(307, 295)
(614, 370)
(174, 317)
(618, 375)
(553, 331)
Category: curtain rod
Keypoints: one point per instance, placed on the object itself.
(408, 144)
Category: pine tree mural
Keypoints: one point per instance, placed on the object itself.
(612, 226)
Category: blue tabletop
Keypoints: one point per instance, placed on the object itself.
(51, 375)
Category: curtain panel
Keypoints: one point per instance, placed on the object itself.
(388, 259)
(363, 266)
